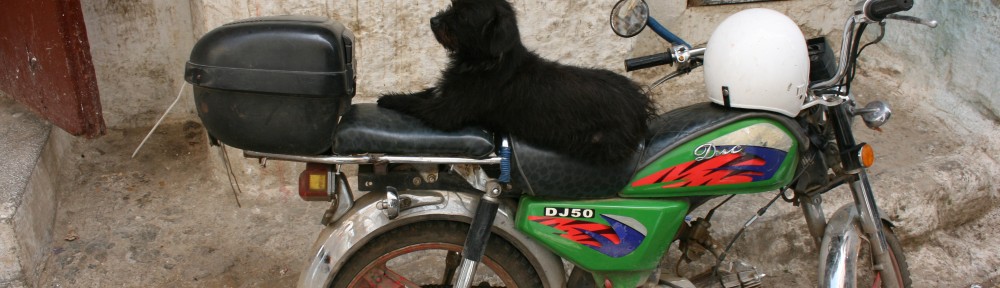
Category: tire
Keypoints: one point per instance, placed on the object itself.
(580, 278)
(865, 275)
(417, 254)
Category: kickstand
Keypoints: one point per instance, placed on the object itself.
(231, 176)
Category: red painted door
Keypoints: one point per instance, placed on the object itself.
(45, 63)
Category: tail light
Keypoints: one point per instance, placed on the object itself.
(316, 182)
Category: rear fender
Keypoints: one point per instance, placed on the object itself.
(363, 222)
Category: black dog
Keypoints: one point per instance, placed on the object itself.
(494, 81)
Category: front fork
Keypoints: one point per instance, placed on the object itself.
(867, 216)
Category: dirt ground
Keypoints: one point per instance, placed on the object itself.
(168, 218)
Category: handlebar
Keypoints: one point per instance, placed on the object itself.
(665, 58)
(872, 11)
(877, 10)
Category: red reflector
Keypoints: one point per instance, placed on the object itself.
(314, 182)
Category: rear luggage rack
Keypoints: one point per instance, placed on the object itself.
(371, 159)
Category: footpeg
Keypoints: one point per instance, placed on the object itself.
(741, 275)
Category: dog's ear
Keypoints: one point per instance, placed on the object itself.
(501, 30)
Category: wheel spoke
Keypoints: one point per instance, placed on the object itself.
(381, 276)
(399, 279)
(406, 260)
(450, 264)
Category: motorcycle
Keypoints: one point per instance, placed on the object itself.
(467, 207)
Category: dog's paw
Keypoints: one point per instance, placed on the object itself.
(398, 102)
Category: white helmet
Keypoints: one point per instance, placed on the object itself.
(757, 59)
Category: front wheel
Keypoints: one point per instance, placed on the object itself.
(426, 254)
(867, 277)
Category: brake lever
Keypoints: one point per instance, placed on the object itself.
(915, 20)
(663, 79)
(685, 58)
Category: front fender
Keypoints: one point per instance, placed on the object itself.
(838, 257)
(363, 222)
(841, 240)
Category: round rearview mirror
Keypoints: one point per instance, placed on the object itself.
(629, 17)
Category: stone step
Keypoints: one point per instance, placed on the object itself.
(28, 169)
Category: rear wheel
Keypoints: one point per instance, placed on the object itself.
(867, 277)
(426, 254)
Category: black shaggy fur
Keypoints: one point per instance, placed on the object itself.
(494, 81)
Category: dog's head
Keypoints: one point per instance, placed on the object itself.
(477, 28)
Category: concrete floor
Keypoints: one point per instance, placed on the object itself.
(169, 219)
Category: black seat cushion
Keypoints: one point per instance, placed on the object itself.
(367, 128)
(544, 173)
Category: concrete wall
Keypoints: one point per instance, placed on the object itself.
(937, 172)
(957, 62)
(695, 25)
(937, 166)
(140, 47)
(945, 74)
(397, 52)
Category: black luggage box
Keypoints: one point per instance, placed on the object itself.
(274, 84)
(822, 62)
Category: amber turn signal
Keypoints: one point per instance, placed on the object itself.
(867, 155)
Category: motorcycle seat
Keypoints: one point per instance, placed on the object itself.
(545, 173)
(367, 128)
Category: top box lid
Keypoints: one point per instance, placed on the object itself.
(300, 55)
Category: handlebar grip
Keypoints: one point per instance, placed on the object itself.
(644, 62)
(878, 9)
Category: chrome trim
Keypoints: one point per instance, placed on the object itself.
(875, 114)
(929, 23)
(838, 251)
(337, 160)
(339, 240)
(389, 205)
(435, 160)
(465, 273)
(370, 158)
(841, 237)
(828, 100)
(871, 223)
(863, 13)
(844, 56)
(697, 52)
(345, 200)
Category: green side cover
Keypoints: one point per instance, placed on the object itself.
(604, 235)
